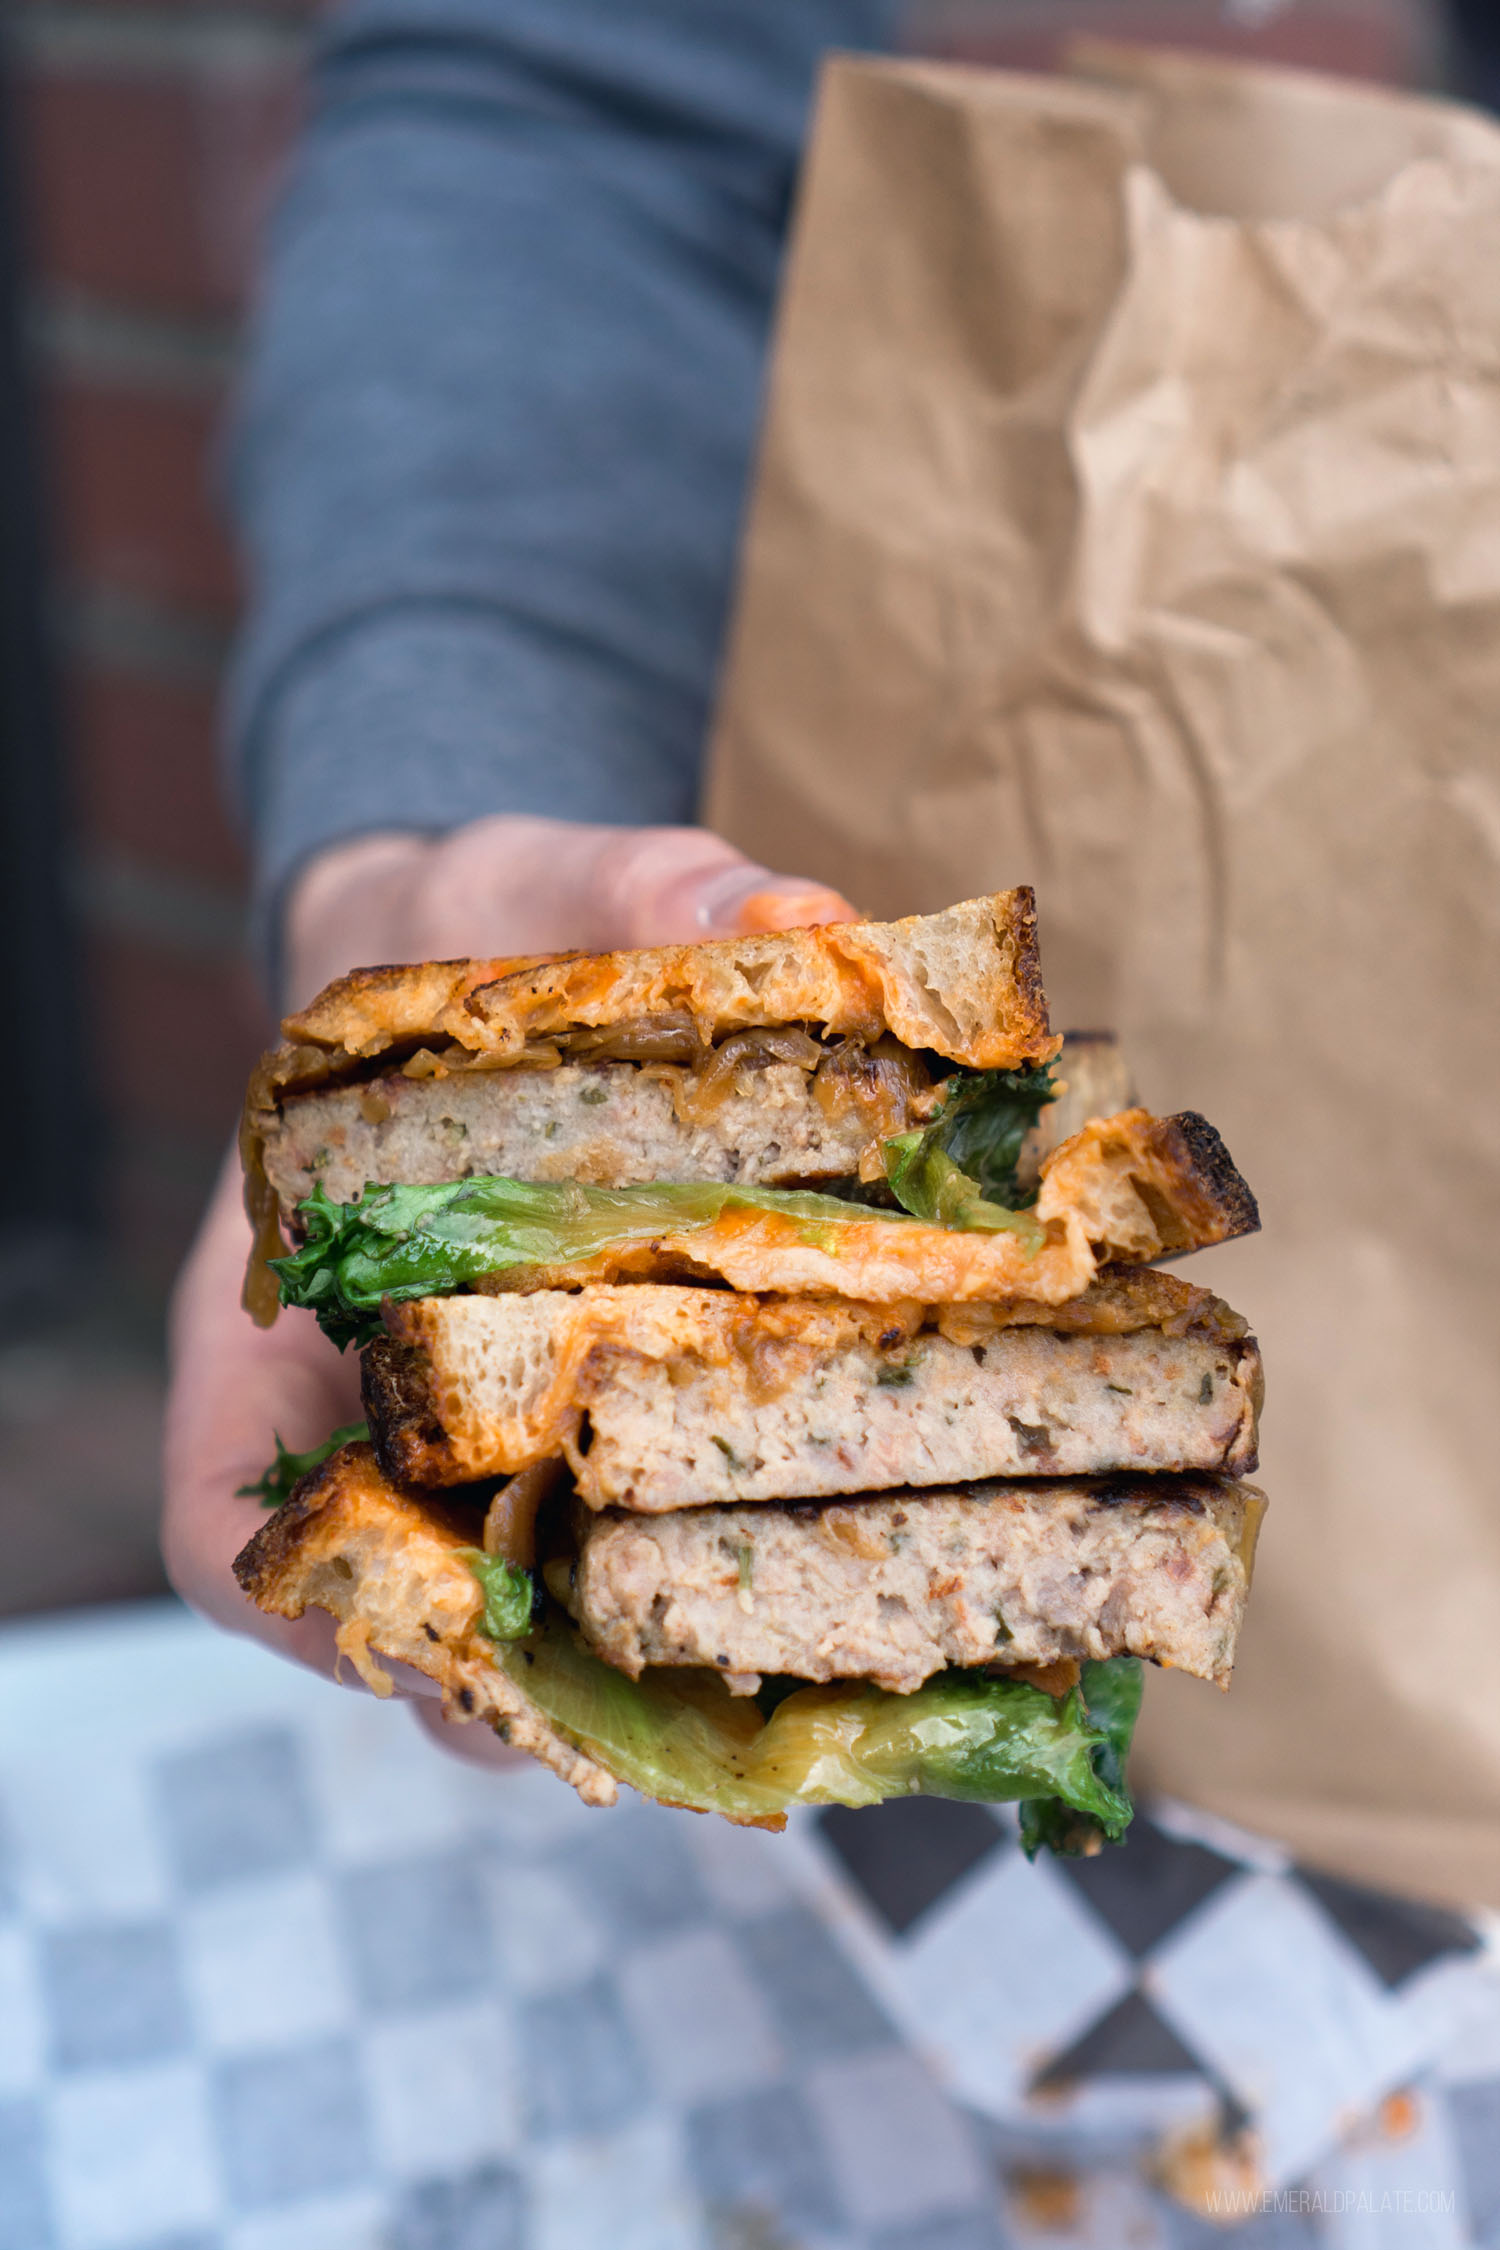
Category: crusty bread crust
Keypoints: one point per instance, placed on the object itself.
(1133, 1177)
(389, 1566)
(965, 983)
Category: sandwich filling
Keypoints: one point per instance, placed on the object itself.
(1127, 1188)
(406, 1578)
(768, 1108)
(660, 1398)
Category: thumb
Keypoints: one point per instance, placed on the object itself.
(666, 886)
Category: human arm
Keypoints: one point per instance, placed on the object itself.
(487, 470)
(490, 456)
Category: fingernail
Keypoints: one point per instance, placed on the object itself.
(746, 900)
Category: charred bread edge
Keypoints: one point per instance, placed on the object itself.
(265, 1565)
(1210, 1174)
(411, 1444)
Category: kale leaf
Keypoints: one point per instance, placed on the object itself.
(288, 1469)
(960, 1170)
(984, 1119)
(926, 1182)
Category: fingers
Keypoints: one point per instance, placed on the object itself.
(234, 1388)
(515, 885)
(476, 1744)
(664, 886)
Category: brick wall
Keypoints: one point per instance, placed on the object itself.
(152, 135)
(150, 140)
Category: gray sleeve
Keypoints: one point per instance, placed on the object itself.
(491, 448)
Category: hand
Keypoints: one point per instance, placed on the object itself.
(502, 886)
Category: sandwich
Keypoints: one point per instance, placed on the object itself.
(773, 1391)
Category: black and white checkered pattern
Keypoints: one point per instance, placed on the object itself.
(275, 1976)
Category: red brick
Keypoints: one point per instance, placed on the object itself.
(132, 474)
(154, 188)
(174, 1037)
(144, 773)
(1380, 43)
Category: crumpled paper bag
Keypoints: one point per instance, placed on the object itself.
(1128, 523)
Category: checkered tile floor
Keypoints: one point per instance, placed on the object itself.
(275, 1976)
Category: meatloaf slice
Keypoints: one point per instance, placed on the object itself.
(894, 1589)
(611, 1124)
(668, 1398)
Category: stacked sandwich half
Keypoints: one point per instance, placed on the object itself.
(773, 1395)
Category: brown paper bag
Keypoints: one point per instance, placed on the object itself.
(1128, 523)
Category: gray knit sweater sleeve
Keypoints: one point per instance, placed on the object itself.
(491, 449)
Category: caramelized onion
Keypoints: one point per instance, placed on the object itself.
(1056, 1679)
(672, 1036)
(884, 1084)
(424, 1064)
(510, 1522)
(702, 1096)
(537, 1054)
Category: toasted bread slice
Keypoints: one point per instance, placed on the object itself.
(964, 984)
(1134, 1181)
(390, 1567)
(663, 1398)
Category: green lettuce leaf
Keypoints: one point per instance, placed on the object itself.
(509, 1595)
(406, 1242)
(288, 1469)
(681, 1737)
(926, 1182)
(1112, 1692)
